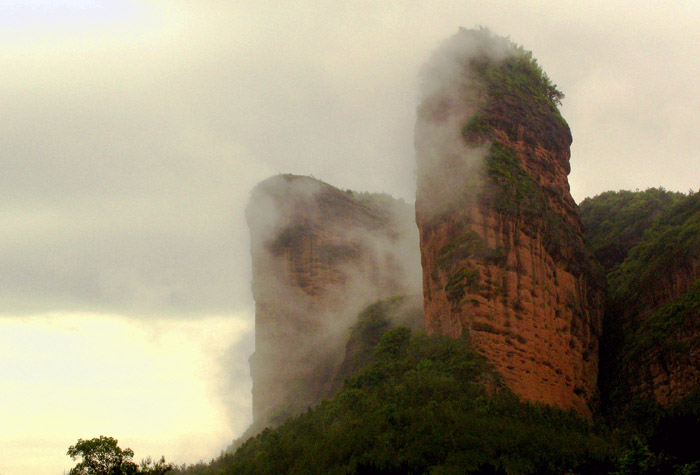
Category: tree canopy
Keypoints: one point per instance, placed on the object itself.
(103, 456)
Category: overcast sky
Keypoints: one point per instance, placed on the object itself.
(133, 132)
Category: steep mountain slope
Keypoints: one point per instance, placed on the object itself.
(653, 315)
(502, 252)
(615, 221)
(319, 256)
(424, 404)
(372, 323)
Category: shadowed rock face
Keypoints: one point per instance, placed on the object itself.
(320, 255)
(500, 236)
(660, 361)
(652, 347)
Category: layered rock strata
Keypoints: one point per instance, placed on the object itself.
(500, 235)
(319, 256)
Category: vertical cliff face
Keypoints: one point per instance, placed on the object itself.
(319, 256)
(500, 236)
(652, 333)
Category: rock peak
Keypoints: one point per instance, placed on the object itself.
(501, 238)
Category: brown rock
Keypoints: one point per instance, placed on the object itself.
(319, 256)
(500, 235)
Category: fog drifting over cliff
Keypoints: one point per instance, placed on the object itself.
(320, 255)
(449, 97)
(134, 132)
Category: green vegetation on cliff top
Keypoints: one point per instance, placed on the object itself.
(615, 221)
(670, 246)
(522, 101)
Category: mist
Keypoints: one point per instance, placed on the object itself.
(320, 255)
(450, 96)
(134, 133)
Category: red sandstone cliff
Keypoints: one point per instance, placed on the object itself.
(319, 256)
(500, 235)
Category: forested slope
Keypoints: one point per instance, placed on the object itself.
(425, 404)
(650, 353)
(615, 221)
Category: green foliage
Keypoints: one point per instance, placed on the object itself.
(637, 460)
(644, 312)
(457, 285)
(651, 315)
(372, 323)
(689, 469)
(664, 445)
(150, 467)
(663, 329)
(393, 343)
(477, 129)
(516, 194)
(521, 100)
(422, 407)
(467, 245)
(102, 456)
(670, 245)
(615, 221)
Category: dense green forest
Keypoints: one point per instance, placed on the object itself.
(649, 242)
(424, 404)
(431, 404)
(616, 220)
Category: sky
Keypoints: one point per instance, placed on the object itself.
(133, 132)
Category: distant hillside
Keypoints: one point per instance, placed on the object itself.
(615, 221)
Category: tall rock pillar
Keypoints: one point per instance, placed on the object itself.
(502, 253)
(320, 255)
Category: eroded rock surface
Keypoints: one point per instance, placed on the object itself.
(500, 236)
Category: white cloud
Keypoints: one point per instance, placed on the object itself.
(156, 385)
